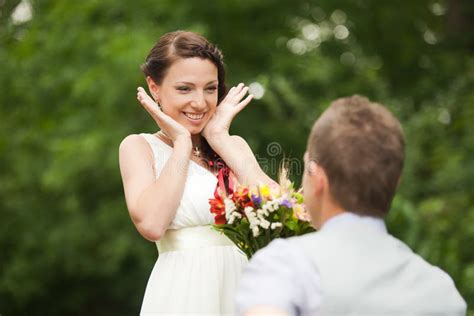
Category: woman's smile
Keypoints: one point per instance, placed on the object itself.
(195, 118)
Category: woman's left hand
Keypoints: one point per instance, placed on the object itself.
(226, 111)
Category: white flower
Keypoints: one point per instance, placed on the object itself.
(255, 231)
(276, 224)
(229, 205)
(229, 209)
(233, 216)
(248, 210)
(272, 205)
(253, 220)
(262, 212)
(263, 222)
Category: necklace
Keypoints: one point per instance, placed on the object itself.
(196, 150)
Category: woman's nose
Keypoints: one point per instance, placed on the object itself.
(199, 100)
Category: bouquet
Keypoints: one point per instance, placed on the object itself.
(252, 216)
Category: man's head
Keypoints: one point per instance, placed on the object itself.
(354, 159)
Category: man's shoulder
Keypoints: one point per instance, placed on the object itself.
(317, 241)
(296, 245)
(281, 247)
(278, 275)
(284, 251)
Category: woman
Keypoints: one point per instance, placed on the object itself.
(169, 176)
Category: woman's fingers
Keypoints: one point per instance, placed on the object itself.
(238, 89)
(241, 94)
(148, 103)
(236, 94)
(230, 92)
(234, 90)
(244, 103)
(168, 125)
(145, 99)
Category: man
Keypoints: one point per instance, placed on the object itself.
(351, 265)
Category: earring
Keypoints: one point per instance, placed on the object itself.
(159, 105)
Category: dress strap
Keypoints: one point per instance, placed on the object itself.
(161, 151)
(156, 145)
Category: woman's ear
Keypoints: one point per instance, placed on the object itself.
(153, 88)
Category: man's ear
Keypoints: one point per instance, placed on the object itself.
(319, 178)
(314, 176)
(153, 88)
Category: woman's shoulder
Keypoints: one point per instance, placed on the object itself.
(136, 145)
(139, 146)
(133, 141)
(134, 154)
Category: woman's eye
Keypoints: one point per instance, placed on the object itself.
(183, 88)
(211, 89)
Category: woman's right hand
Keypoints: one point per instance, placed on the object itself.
(169, 126)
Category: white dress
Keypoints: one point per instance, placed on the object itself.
(197, 268)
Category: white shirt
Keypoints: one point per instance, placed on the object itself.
(284, 275)
(281, 275)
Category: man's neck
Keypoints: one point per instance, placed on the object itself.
(329, 209)
(328, 214)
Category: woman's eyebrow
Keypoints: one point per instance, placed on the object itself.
(185, 82)
(192, 84)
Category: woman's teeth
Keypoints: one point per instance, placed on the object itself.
(193, 116)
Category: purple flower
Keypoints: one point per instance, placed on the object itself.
(286, 203)
(256, 199)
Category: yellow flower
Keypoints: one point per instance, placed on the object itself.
(300, 213)
(265, 190)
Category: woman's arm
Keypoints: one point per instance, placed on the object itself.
(234, 150)
(152, 203)
(238, 155)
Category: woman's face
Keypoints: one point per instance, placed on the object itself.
(188, 93)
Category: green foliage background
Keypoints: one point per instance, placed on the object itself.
(68, 80)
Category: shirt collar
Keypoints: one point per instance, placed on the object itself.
(349, 218)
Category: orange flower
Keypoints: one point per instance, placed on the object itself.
(218, 208)
(241, 198)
